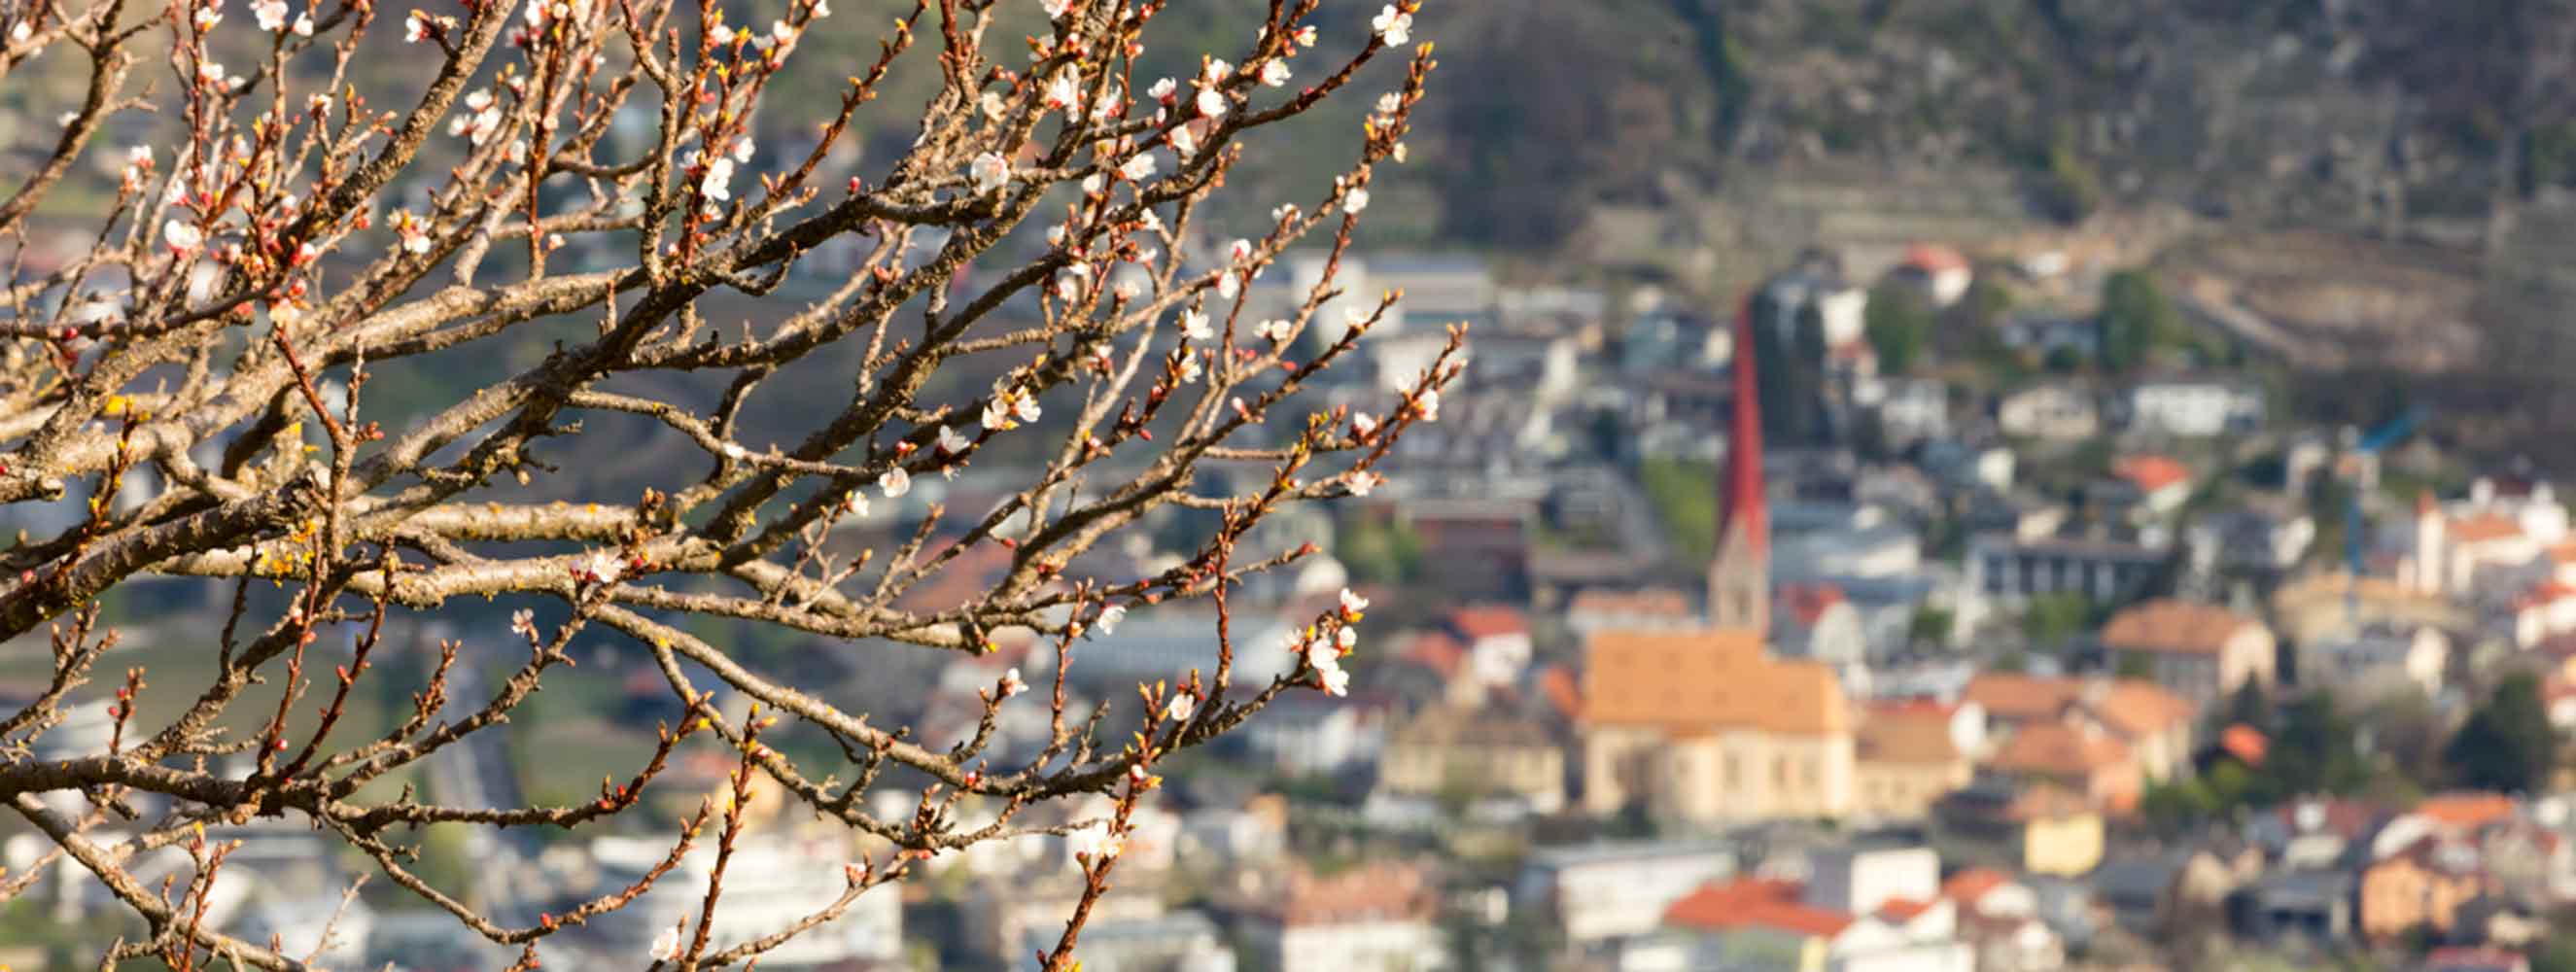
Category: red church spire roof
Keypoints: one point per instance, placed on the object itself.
(1740, 498)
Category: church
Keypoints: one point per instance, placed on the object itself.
(1706, 725)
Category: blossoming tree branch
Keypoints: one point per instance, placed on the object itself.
(187, 390)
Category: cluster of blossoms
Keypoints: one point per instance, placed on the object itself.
(599, 567)
(1010, 406)
(272, 18)
(1324, 648)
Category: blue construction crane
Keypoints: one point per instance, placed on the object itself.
(2388, 434)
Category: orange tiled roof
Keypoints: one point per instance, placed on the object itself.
(2056, 749)
(2134, 706)
(1754, 903)
(1702, 680)
(2151, 472)
(2174, 626)
(2467, 810)
(1973, 883)
(1368, 892)
(1438, 652)
(2244, 742)
(1488, 621)
(1908, 734)
(1901, 910)
(1935, 258)
(2490, 526)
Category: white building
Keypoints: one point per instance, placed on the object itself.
(2376, 660)
(1374, 916)
(2057, 410)
(775, 879)
(2193, 407)
(1594, 892)
(1861, 880)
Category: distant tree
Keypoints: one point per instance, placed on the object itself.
(2052, 618)
(2136, 319)
(2508, 744)
(2558, 954)
(1377, 550)
(2248, 706)
(2316, 749)
(2135, 665)
(1899, 324)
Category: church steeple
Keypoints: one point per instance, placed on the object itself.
(1739, 578)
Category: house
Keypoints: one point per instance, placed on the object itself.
(790, 888)
(2006, 571)
(1594, 610)
(1183, 941)
(1908, 754)
(1480, 752)
(2162, 484)
(1497, 641)
(1862, 879)
(2101, 770)
(1481, 545)
(1767, 926)
(1968, 465)
(2374, 660)
(1840, 307)
(2034, 826)
(1380, 915)
(1706, 726)
(2153, 722)
(2193, 406)
(2057, 411)
(2422, 885)
(1986, 891)
(2492, 530)
(1307, 734)
(2201, 652)
(2258, 538)
(1593, 892)
(2308, 906)
(1942, 272)
(1815, 621)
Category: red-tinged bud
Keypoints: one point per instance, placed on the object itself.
(279, 745)
(1009, 544)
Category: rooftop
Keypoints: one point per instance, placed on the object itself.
(1701, 680)
(1754, 903)
(2168, 625)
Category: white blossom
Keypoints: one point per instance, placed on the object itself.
(1393, 26)
(1181, 707)
(1363, 424)
(19, 32)
(1110, 615)
(271, 14)
(1212, 103)
(1025, 407)
(600, 567)
(990, 172)
(895, 482)
(304, 25)
(1184, 144)
(742, 149)
(951, 442)
(1275, 329)
(1337, 682)
(855, 504)
(1363, 483)
(1194, 325)
(1162, 89)
(1138, 167)
(1428, 405)
(181, 235)
(1238, 251)
(1387, 103)
(1094, 842)
(1055, 8)
(992, 105)
(1355, 200)
(1215, 71)
(721, 35)
(718, 183)
(1189, 368)
(1274, 72)
(1011, 683)
(1063, 91)
(415, 27)
(1305, 36)
(1353, 604)
(666, 946)
(524, 622)
(822, 9)
(1228, 285)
